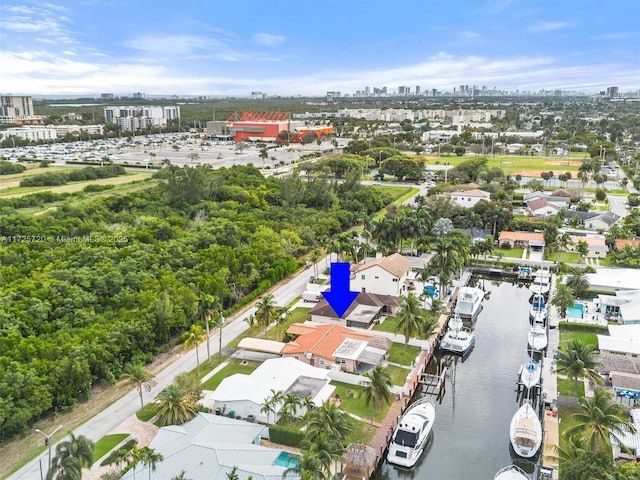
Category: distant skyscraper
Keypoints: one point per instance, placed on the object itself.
(613, 92)
(14, 107)
(417, 89)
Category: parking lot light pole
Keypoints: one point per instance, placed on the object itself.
(48, 441)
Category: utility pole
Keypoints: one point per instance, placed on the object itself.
(48, 441)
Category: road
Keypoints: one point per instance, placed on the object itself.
(104, 422)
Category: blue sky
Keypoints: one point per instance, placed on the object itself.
(287, 47)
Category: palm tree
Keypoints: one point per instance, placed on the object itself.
(290, 404)
(578, 282)
(309, 468)
(71, 457)
(267, 310)
(411, 317)
(268, 407)
(599, 419)
(141, 377)
(579, 360)
(150, 459)
(377, 392)
(562, 299)
(194, 338)
(330, 420)
(564, 241)
(276, 399)
(175, 406)
(207, 306)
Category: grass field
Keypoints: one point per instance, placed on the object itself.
(353, 402)
(106, 444)
(227, 371)
(514, 165)
(9, 191)
(401, 355)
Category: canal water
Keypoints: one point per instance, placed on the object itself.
(470, 439)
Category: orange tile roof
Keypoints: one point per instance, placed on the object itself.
(505, 235)
(321, 340)
(623, 242)
(395, 264)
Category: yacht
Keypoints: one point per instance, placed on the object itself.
(469, 302)
(458, 341)
(525, 431)
(537, 337)
(411, 435)
(538, 308)
(541, 283)
(511, 472)
(530, 374)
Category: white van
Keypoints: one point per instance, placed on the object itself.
(311, 296)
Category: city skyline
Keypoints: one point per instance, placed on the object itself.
(162, 47)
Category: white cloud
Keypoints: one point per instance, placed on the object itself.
(268, 39)
(548, 26)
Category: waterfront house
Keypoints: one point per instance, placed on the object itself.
(336, 347)
(532, 240)
(366, 309)
(245, 394)
(608, 279)
(596, 245)
(382, 276)
(210, 446)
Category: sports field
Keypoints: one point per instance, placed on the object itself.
(519, 165)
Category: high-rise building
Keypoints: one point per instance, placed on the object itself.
(14, 108)
(417, 89)
(613, 92)
(133, 118)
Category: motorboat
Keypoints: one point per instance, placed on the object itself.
(411, 435)
(538, 308)
(455, 322)
(469, 302)
(541, 283)
(530, 374)
(525, 431)
(537, 337)
(458, 341)
(511, 472)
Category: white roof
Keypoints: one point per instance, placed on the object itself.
(350, 349)
(618, 343)
(630, 312)
(261, 345)
(615, 278)
(276, 373)
(209, 446)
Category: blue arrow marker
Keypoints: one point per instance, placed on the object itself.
(340, 297)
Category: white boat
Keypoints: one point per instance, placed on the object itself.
(458, 341)
(538, 308)
(541, 282)
(511, 472)
(537, 337)
(411, 435)
(525, 431)
(469, 302)
(455, 322)
(530, 374)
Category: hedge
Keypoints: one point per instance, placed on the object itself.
(290, 437)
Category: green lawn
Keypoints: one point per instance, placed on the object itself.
(565, 387)
(587, 337)
(398, 374)
(507, 252)
(106, 444)
(298, 315)
(390, 324)
(227, 371)
(514, 163)
(353, 402)
(565, 257)
(362, 433)
(398, 354)
(147, 413)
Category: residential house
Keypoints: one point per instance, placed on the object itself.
(210, 446)
(469, 198)
(623, 243)
(382, 276)
(614, 279)
(540, 207)
(593, 220)
(596, 245)
(532, 240)
(337, 347)
(365, 309)
(245, 394)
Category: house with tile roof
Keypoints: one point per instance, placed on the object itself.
(209, 447)
(337, 347)
(593, 220)
(596, 245)
(540, 207)
(624, 242)
(245, 394)
(383, 276)
(366, 309)
(532, 240)
(469, 198)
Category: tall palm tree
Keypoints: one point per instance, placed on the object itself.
(71, 457)
(309, 468)
(194, 338)
(411, 317)
(564, 241)
(579, 360)
(562, 299)
(378, 391)
(290, 404)
(141, 378)
(175, 406)
(599, 419)
(150, 459)
(268, 407)
(207, 306)
(267, 311)
(578, 281)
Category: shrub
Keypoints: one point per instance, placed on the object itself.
(7, 168)
(291, 437)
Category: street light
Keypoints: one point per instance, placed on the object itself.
(220, 323)
(48, 441)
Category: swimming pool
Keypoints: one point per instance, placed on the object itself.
(577, 311)
(287, 460)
